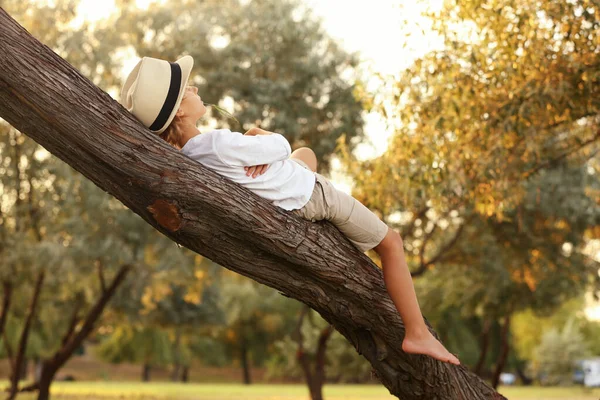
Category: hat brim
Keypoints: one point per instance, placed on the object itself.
(186, 63)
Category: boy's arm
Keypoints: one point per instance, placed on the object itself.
(256, 147)
(257, 131)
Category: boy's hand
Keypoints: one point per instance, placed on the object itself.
(256, 170)
(257, 131)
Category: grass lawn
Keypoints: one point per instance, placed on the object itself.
(178, 391)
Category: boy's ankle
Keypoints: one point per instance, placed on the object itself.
(418, 332)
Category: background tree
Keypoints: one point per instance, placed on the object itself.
(556, 356)
(289, 269)
(491, 174)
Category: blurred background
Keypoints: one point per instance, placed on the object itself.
(471, 127)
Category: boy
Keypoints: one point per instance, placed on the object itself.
(156, 92)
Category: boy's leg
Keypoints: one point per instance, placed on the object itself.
(363, 228)
(398, 282)
(306, 155)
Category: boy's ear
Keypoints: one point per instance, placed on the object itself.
(179, 112)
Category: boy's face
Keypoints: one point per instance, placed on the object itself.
(191, 104)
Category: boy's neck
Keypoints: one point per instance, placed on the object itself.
(188, 132)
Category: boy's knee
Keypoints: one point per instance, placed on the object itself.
(307, 155)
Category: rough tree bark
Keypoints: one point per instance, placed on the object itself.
(43, 96)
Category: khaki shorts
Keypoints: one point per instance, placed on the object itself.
(360, 225)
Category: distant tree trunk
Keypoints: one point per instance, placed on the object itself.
(44, 97)
(244, 360)
(185, 374)
(6, 299)
(44, 384)
(16, 363)
(24, 369)
(504, 349)
(72, 340)
(175, 373)
(483, 346)
(314, 378)
(146, 368)
(527, 381)
(176, 364)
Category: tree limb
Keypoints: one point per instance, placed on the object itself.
(63, 354)
(553, 161)
(72, 324)
(424, 264)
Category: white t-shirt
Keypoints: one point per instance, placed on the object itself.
(286, 183)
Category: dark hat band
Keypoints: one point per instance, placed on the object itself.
(169, 104)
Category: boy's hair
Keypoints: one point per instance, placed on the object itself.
(173, 133)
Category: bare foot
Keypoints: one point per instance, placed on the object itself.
(429, 345)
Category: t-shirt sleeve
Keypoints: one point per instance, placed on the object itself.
(236, 149)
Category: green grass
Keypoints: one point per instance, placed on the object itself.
(178, 391)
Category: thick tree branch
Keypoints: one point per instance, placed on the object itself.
(45, 97)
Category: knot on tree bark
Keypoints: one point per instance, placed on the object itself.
(166, 214)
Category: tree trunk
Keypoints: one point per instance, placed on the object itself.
(24, 370)
(176, 363)
(320, 359)
(6, 298)
(17, 363)
(175, 372)
(504, 349)
(72, 341)
(244, 359)
(44, 97)
(314, 379)
(185, 374)
(527, 381)
(146, 372)
(45, 382)
(484, 345)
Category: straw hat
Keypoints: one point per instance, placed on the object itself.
(154, 89)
